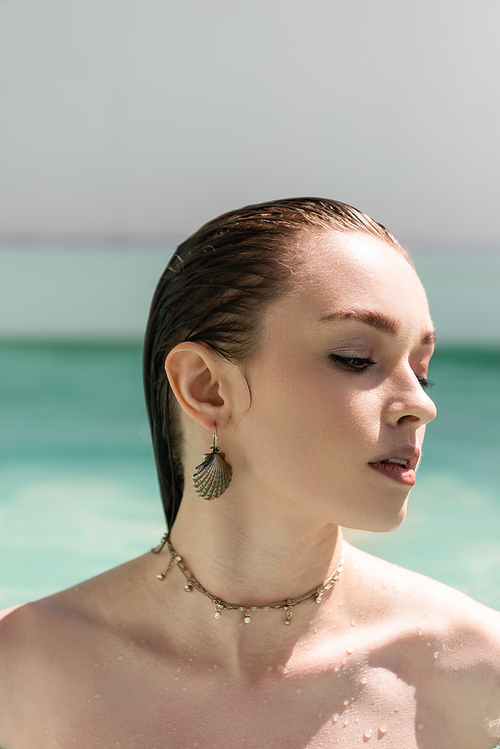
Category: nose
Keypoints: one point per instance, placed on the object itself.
(409, 402)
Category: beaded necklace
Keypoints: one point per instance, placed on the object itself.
(219, 605)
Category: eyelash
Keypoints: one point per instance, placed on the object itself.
(358, 364)
(352, 363)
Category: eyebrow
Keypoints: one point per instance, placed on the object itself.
(378, 321)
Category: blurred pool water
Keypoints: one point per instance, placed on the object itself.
(78, 490)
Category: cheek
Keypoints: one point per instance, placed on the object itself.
(303, 431)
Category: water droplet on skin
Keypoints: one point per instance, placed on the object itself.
(356, 566)
(121, 658)
(176, 678)
(264, 702)
(364, 680)
(346, 702)
(353, 622)
(398, 589)
(298, 691)
(429, 644)
(177, 670)
(269, 668)
(337, 667)
(346, 721)
(320, 714)
(349, 651)
(385, 584)
(216, 666)
(396, 709)
(420, 727)
(382, 730)
(436, 655)
(367, 734)
(184, 689)
(97, 696)
(335, 717)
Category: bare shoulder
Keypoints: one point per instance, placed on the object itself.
(43, 645)
(442, 642)
(15, 666)
(24, 631)
(97, 602)
(37, 645)
(12, 636)
(422, 603)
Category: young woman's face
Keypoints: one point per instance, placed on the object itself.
(338, 386)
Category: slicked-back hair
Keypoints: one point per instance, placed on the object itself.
(216, 289)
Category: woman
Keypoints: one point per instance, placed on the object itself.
(289, 342)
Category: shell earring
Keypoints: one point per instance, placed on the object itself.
(212, 477)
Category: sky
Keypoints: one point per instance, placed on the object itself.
(141, 119)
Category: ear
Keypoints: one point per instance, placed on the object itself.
(195, 375)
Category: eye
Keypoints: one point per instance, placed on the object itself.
(352, 363)
(425, 382)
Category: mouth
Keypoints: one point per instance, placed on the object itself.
(399, 467)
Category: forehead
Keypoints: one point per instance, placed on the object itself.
(348, 271)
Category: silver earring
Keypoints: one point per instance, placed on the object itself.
(212, 477)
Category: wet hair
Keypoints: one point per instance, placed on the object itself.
(216, 289)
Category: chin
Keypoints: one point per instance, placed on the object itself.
(378, 523)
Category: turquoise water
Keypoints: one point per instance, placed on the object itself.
(78, 489)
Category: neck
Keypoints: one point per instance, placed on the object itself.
(252, 554)
(253, 560)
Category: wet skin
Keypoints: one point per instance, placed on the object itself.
(338, 388)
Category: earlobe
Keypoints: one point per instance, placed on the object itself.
(194, 373)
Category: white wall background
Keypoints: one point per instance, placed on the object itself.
(145, 117)
(138, 120)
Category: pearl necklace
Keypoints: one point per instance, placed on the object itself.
(191, 582)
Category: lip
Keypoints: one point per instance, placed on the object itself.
(404, 476)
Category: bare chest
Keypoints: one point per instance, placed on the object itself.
(117, 704)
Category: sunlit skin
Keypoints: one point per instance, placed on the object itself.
(315, 424)
(301, 447)
(338, 384)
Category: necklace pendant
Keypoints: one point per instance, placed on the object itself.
(161, 576)
(220, 606)
(218, 610)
